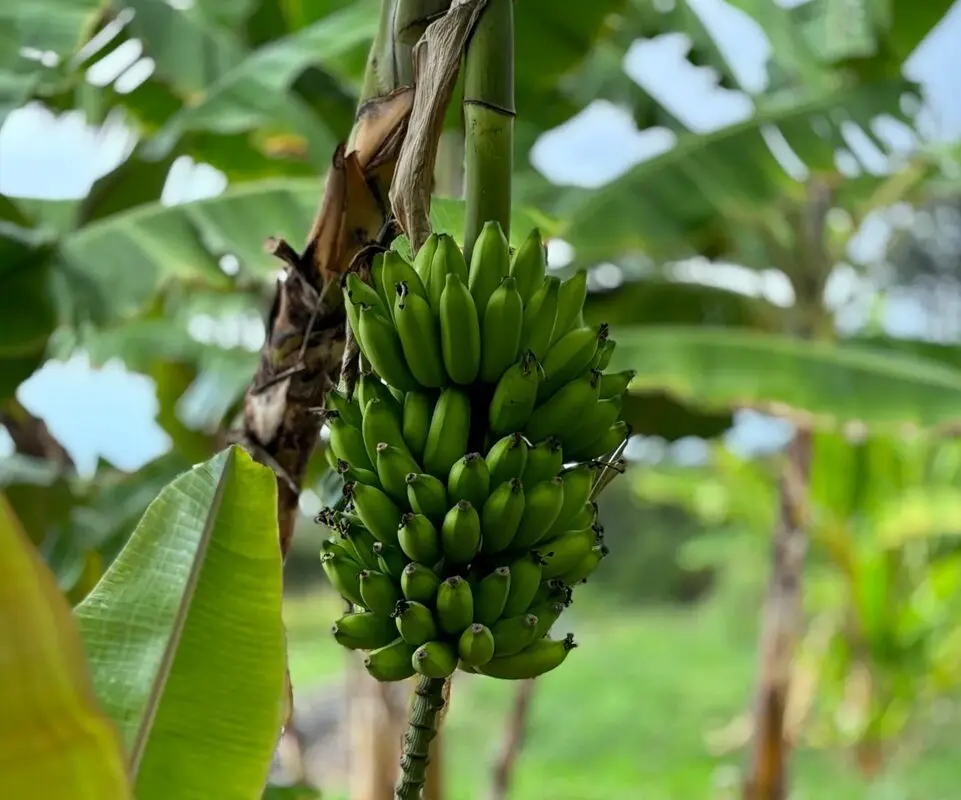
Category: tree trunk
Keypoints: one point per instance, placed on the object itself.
(376, 722)
(808, 265)
(513, 742)
(781, 629)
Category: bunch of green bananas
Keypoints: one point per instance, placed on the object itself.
(469, 452)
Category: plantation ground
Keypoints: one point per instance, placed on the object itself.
(626, 717)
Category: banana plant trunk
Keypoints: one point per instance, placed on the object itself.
(808, 266)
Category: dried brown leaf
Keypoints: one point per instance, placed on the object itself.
(305, 342)
(437, 60)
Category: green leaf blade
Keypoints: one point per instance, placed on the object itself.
(820, 384)
(185, 635)
(54, 741)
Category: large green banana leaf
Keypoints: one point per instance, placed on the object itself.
(693, 197)
(29, 34)
(255, 92)
(54, 740)
(185, 638)
(821, 384)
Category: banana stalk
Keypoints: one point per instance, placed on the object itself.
(489, 121)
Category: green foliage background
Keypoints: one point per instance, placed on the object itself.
(263, 90)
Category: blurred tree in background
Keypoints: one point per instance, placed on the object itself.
(683, 249)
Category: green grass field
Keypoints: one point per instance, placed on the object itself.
(626, 716)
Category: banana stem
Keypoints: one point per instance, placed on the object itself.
(489, 121)
(421, 729)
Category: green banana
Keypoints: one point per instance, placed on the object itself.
(551, 591)
(390, 560)
(515, 396)
(461, 533)
(460, 332)
(393, 467)
(570, 304)
(418, 409)
(398, 269)
(419, 337)
(584, 517)
(419, 583)
(538, 317)
(370, 386)
(360, 294)
(566, 551)
(544, 461)
(614, 384)
(476, 645)
(547, 614)
(435, 660)
(380, 345)
(376, 510)
(382, 425)
(507, 459)
(377, 278)
(349, 410)
(391, 663)
(427, 495)
(603, 355)
(597, 420)
(448, 260)
(501, 325)
(337, 547)
(540, 657)
(586, 566)
(330, 458)
(379, 593)
(455, 605)
(418, 539)
(364, 630)
(347, 442)
(360, 542)
(529, 265)
(344, 575)
(501, 516)
(542, 506)
(569, 356)
(608, 441)
(578, 482)
(490, 595)
(424, 257)
(352, 312)
(449, 429)
(470, 480)
(415, 622)
(525, 581)
(350, 474)
(564, 410)
(513, 634)
(489, 265)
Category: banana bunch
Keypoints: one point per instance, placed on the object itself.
(470, 453)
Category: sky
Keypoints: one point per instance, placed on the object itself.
(110, 412)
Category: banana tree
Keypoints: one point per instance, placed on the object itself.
(882, 579)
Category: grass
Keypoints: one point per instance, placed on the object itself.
(627, 714)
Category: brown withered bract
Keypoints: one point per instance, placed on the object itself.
(305, 342)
